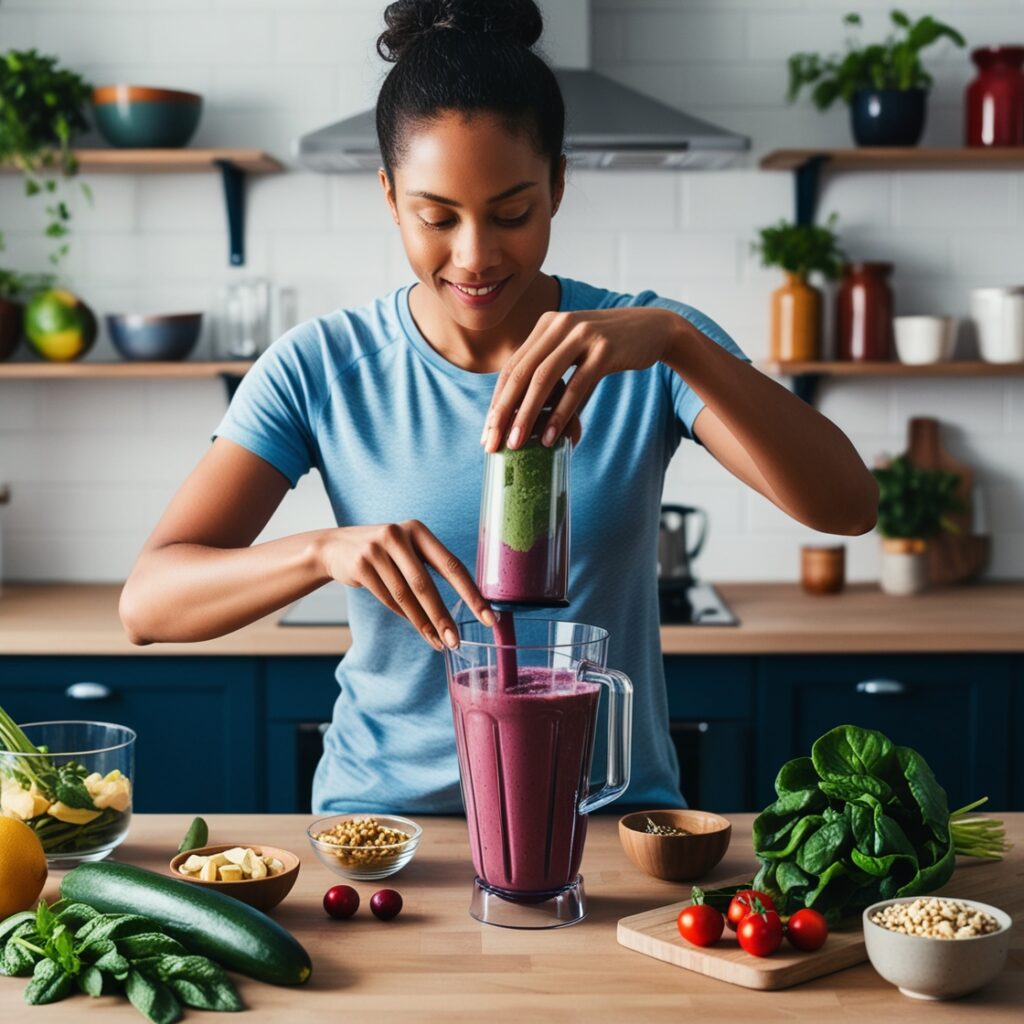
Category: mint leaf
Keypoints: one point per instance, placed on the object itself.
(90, 981)
(152, 998)
(50, 983)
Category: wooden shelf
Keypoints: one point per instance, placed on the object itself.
(950, 368)
(885, 157)
(171, 161)
(108, 371)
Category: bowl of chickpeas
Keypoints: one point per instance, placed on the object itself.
(936, 947)
(364, 846)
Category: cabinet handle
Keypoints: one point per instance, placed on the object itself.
(882, 687)
(88, 691)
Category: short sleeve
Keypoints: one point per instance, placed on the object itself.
(273, 412)
(687, 402)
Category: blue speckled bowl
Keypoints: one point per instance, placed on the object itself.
(142, 117)
(169, 337)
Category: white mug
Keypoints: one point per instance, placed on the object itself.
(998, 315)
(924, 339)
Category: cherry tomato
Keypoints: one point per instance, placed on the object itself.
(700, 924)
(341, 901)
(760, 933)
(807, 930)
(742, 903)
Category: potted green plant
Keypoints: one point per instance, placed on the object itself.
(799, 250)
(885, 84)
(42, 107)
(914, 504)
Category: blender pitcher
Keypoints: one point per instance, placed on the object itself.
(525, 743)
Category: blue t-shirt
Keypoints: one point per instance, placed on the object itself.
(394, 429)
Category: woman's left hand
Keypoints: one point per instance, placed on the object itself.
(596, 342)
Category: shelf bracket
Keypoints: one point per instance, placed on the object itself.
(234, 200)
(805, 386)
(807, 181)
(231, 382)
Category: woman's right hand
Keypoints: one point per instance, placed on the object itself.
(391, 561)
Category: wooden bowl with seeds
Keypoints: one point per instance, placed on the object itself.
(676, 845)
(263, 892)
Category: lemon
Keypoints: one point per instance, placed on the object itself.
(22, 867)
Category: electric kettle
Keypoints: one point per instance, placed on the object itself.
(674, 550)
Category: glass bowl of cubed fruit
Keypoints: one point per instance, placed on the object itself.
(256, 874)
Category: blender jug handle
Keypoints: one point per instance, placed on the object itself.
(620, 732)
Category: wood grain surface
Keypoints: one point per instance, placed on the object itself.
(775, 618)
(434, 963)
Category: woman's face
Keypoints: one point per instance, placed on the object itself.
(474, 204)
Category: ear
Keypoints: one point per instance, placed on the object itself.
(389, 192)
(558, 189)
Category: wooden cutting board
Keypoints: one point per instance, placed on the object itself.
(952, 557)
(654, 932)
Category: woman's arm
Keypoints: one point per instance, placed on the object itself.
(199, 575)
(772, 440)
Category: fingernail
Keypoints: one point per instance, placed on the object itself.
(450, 638)
(487, 617)
(513, 438)
(549, 436)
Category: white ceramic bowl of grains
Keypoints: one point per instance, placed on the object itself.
(936, 947)
(364, 846)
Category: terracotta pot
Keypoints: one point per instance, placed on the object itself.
(864, 313)
(12, 319)
(904, 566)
(823, 568)
(796, 320)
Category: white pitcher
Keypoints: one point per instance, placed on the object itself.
(998, 315)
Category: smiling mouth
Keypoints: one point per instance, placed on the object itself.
(476, 290)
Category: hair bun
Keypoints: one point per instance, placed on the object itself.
(518, 21)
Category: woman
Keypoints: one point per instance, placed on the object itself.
(387, 402)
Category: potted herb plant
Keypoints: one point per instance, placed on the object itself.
(42, 107)
(799, 250)
(884, 83)
(914, 504)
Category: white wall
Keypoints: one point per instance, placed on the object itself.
(91, 464)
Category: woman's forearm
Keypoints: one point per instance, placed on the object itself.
(808, 466)
(184, 592)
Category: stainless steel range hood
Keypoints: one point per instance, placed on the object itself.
(608, 126)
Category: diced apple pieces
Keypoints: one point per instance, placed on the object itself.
(238, 864)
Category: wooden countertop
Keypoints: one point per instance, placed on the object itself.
(435, 963)
(774, 617)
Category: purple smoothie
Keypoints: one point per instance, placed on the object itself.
(524, 758)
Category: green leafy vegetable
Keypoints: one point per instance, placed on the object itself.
(861, 820)
(50, 983)
(152, 998)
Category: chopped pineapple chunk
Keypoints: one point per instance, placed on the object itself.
(230, 872)
(240, 863)
(72, 815)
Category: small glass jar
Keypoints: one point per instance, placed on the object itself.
(864, 306)
(522, 556)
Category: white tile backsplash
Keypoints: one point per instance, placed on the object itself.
(115, 452)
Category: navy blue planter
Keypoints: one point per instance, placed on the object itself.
(887, 117)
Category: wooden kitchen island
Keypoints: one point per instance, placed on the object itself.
(435, 963)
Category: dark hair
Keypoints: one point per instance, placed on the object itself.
(468, 56)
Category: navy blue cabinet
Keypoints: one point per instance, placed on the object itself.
(198, 720)
(953, 709)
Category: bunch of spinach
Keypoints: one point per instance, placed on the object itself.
(858, 821)
(71, 945)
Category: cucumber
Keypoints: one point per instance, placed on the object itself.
(226, 930)
(198, 835)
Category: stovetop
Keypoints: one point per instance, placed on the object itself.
(695, 604)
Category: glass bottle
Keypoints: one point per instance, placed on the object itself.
(994, 100)
(864, 313)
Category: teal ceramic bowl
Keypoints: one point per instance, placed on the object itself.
(141, 117)
(154, 338)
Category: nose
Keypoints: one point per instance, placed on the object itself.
(476, 248)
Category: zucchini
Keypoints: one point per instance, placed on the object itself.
(220, 927)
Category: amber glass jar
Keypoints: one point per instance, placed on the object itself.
(796, 320)
(864, 313)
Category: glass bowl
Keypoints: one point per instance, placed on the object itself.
(365, 862)
(74, 790)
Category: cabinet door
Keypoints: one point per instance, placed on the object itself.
(954, 710)
(196, 720)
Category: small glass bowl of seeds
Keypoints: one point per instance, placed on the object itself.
(364, 846)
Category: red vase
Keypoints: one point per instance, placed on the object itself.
(864, 313)
(994, 101)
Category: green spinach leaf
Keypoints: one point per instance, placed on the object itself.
(152, 998)
(50, 983)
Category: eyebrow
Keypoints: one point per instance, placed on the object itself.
(433, 197)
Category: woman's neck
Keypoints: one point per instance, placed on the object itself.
(482, 351)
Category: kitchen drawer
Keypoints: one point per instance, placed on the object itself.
(710, 686)
(954, 710)
(197, 720)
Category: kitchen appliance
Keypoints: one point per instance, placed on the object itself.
(525, 750)
(608, 126)
(682, 599)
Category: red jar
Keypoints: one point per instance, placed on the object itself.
(864, 313)
(994, 101)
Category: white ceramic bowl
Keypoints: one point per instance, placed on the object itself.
(924, 339)
(936, 968)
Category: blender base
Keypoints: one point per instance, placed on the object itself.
(489, 906)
